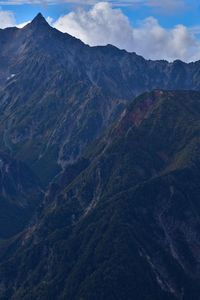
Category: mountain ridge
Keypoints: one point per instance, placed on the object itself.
(127, 216)
(99, 171)
(96, 84)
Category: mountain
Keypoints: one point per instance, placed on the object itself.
(20, 196)
(123, 221)
(57, 95)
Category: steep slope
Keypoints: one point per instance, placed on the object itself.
(20, 195)
(122, 223)
(57, 94)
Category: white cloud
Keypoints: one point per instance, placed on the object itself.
(155, 42)
(22, 24)
(7, 19)
(99, 26)
(103, 24)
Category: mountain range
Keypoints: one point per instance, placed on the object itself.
(48, 127)
(100, 166)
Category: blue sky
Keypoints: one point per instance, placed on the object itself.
(157, 29)
(185, 12)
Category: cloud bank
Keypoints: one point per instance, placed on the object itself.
(100, 25)
(105, 24)
(7, 19)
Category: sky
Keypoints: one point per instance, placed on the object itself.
(155, 29)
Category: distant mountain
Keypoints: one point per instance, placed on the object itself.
(57, 94)
(123, 222)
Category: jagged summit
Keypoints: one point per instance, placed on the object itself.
(39, 20)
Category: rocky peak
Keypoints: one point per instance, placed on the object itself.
(39, 20)
(39, 23)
